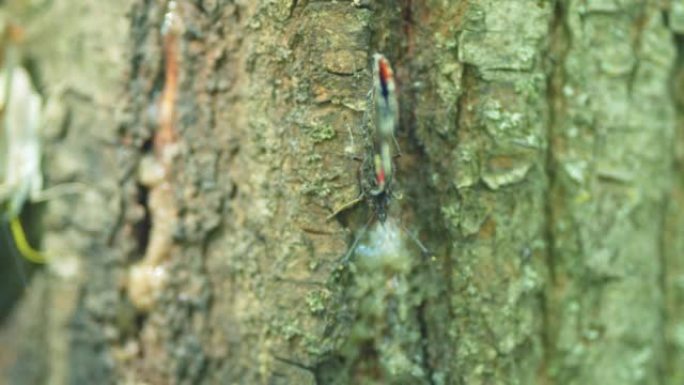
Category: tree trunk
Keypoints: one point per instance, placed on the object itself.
(540, 166)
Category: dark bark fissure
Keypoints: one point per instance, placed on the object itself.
(555, 99)
(140, 30)
(671, 356)
(557, 47)
(142, 228)
(662, 362)
(412, 177)
(409, 121)
(637, 30)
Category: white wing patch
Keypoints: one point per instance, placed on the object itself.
(20, 151)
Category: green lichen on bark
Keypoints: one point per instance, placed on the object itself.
(297, 130)
(673, 226)
(541, 165)
(610, 161)
(481, 118)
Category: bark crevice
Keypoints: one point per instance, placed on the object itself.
(558, 47)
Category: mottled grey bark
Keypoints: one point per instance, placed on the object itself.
(540, 164)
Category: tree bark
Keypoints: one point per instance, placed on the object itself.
(541, 155)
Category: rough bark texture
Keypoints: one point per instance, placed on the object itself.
(542, 152)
